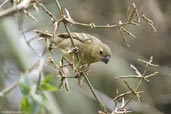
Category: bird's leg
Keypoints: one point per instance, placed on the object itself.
(74, 51)
(67, 62)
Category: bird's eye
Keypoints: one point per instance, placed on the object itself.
(101, 52)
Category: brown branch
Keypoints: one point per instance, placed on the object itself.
(23, 5)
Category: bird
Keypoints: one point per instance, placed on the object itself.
(89, 48)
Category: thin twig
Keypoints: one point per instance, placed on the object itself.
(23, 5)
(93, 25)
(94, 93)
(142, 77)
(8, 89)
(85, 76)
(3, 3)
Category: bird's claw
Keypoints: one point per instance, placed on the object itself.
(73, 50)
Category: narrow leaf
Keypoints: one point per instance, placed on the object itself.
(25, 106)
(48, 87)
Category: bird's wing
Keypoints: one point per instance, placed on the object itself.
(82, 37)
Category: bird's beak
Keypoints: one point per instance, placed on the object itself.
(105, 59)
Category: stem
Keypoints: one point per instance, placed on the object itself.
(145, 70)
(8, 11)
(8, 89)
(93, 25)
(138, 85)
(3, 3)
(85, 76)
(68, 77)
(23, 5)
(94, 93)
(71, 38)
(130, 98)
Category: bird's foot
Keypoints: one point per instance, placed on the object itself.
(73, 50)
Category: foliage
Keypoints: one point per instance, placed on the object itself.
(34, 85)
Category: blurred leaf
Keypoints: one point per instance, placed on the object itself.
(25, 106)
(48, 78)
(48, 87)
(24, 88)
(38, 98)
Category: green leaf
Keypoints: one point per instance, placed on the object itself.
(48, 78)
(24, 88)
(25, 106)
(48, 87)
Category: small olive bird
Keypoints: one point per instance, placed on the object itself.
(90, 48)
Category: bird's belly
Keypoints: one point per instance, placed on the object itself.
(72, 58)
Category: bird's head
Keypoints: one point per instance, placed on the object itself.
(102, 53)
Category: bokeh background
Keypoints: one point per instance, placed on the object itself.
(16, 56)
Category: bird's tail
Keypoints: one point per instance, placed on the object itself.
(44, 35)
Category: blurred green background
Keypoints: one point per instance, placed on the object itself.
(16, 56)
